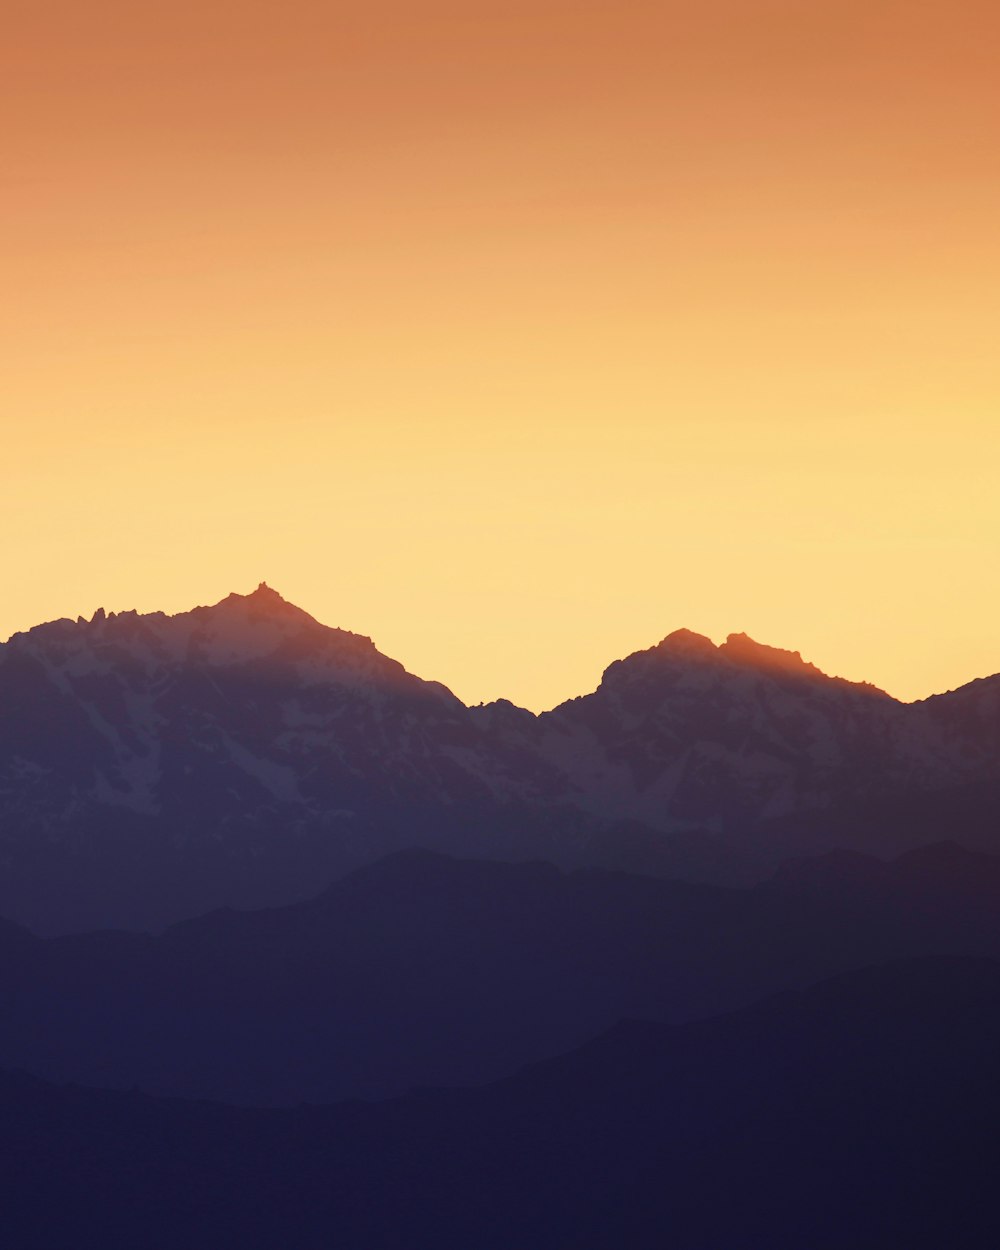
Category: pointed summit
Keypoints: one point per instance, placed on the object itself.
(264, 592)
(264, 601)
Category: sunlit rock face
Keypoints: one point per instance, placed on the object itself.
(152, 766)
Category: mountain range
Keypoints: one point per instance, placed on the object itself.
(300, 950)
(155, 767)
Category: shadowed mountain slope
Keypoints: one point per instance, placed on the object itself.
(424, 970)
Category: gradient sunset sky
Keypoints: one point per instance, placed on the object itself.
(515, 335)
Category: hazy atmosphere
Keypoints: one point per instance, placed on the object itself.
(514, 336)
(487, 488)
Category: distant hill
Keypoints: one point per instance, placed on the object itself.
(153, 767)
(425, 970)
(860, 1113)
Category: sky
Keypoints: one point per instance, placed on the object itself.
(513, 335)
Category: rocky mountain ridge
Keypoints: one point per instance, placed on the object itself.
(154, 766)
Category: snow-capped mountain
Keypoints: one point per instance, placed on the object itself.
(152, 766)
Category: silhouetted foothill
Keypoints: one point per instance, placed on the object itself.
(426, 970)
(861, 1112)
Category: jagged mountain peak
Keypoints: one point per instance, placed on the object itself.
(264, 601)
(685, 642)
(692, 657)
(745, 651)
(683, 646)
(681, 652)
(259, 628)
(236, 627)
(742, 646)
(248, 626)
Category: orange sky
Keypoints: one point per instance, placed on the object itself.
(514, 335)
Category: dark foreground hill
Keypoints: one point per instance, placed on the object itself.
(858, 1115)
(425, 970)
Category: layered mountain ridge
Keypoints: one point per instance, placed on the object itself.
(422, 970)
(154, 766)
(858, 1113)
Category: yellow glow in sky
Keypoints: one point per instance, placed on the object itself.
(515, 336)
